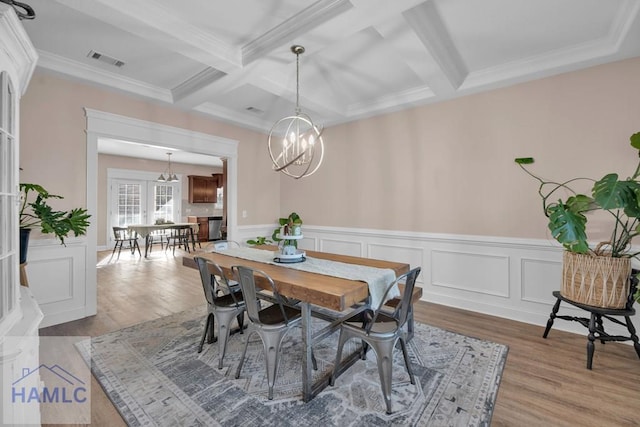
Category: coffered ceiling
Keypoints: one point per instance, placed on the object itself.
(231, 59)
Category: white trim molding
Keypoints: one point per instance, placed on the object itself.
(504, 277)
(83, 281)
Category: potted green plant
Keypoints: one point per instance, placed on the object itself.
(35, 212)
(258, 241)
(289, 226)
(620, 198)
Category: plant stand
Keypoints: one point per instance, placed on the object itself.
(283, 256)
(595, 324)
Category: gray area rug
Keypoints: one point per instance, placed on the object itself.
(154, 376)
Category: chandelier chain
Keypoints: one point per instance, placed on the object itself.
(297, 83)
(295, 144)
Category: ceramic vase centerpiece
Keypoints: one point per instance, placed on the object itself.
(287, 235)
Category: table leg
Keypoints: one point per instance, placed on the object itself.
(147, 238)
(307, 377)
(193, 239)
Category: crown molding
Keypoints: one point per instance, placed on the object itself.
(95, 75)
(22, 56)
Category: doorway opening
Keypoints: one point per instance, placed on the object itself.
(101, 125)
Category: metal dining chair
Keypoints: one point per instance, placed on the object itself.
(222, 308)
(381, 331)
(223, 245)
(271, 323)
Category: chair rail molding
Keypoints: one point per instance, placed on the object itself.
(506, 277)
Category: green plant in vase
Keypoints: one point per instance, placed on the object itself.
(289, 226)
(620, 198)
(35, 212)
(260, 240)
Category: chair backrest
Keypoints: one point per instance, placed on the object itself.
(401, 311)
(223, 245)
(120, 233)
(180, 231)
(209, 272)
(158, 233)
(208, 283)
(247, 279)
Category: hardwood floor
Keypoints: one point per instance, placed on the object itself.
(545, 382)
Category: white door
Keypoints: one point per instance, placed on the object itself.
(128, 202)
(141, 201)
(9, 198)
(164, 203)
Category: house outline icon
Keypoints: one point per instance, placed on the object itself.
(56, 370)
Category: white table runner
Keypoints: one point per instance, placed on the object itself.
(376, 278)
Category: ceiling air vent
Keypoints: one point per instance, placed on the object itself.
(105, 58)
(254, 110)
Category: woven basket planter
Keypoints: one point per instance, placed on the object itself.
(597, 280)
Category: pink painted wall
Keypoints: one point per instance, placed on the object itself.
(442, 168)
(448, 167)
(53, 142)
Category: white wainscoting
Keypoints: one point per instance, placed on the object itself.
(504, 277)
(57, 276)
(510, 278)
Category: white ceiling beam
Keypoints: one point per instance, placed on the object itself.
(346, 21)
(417, 58)
(148, 19)
(198, 89)
(426, 23)
(301, 23)
(196, 84)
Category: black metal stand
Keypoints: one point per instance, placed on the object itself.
(595, 324)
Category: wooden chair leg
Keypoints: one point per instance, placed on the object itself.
(119, 249)
(632, 333)
(552, 316)
(600, 327)
(590, 343)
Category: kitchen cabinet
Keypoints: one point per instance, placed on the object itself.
(203, 227)
(204, 189)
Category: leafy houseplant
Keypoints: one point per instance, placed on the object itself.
(620, 198)
(260, 240)
(289, 226)
(36, 213)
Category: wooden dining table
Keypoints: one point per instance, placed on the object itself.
(313, 290)
(145, 231)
